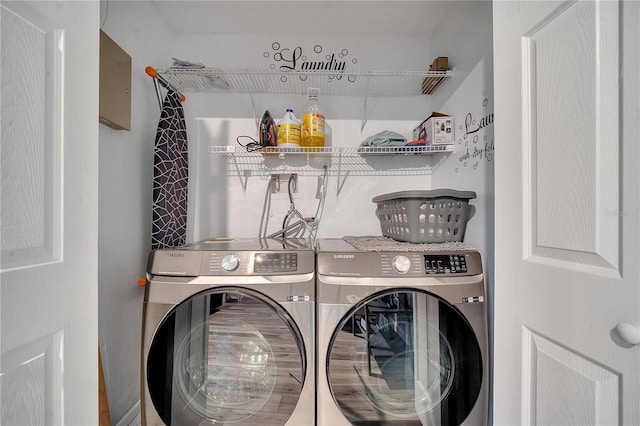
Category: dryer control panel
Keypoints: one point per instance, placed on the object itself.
(445, 264)
(384, 259)
(421, 264)
(275, 262)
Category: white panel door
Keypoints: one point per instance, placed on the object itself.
(48, 204)
(567, 213)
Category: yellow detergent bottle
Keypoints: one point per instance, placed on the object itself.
(312, 123)
(289, 131)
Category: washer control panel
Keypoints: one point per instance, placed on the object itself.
(445, 264)
(401, 264)
(275, 262)
(230, 262)
(257, 263)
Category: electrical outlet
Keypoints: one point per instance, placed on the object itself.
(280, 185)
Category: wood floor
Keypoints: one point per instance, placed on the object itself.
(253, 365)
(386, 396)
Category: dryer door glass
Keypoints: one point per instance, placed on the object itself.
(404, 357)
(227, 355)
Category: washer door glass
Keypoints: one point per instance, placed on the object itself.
(404, 357)
(227, 355)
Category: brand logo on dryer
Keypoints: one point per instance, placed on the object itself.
(174, 254)
(344, 256)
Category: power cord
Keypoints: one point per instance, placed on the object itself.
(303, 227)
(252, 145)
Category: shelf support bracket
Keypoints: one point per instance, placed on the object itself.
(364, 114)
(255, 112)
(243, 175)
(341, 179)
(364, 106)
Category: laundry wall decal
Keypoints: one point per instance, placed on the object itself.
(317, 59)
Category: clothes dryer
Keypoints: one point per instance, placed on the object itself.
(402, 334)
(228, 334)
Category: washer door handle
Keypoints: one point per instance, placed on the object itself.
(628, 332)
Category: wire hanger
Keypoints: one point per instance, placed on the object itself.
(158, 79)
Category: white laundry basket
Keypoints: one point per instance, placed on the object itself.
(433, 216)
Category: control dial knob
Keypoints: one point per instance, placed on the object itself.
(401, 264)
(230, 262)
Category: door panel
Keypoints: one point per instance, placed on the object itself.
(567, 222)
(571, 131)
(48, 199)
(31, 112)
(558, 384)
(33, 373)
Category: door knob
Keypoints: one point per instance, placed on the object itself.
(629, 333)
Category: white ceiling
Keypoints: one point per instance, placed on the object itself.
(397, 17)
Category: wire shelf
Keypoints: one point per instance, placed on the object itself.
(339, 161)
(334, 151)
(345, 83)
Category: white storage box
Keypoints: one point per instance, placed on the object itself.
(437, 129)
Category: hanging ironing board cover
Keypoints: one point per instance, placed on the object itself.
(170, 176)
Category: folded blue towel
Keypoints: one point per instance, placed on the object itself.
(386, 138)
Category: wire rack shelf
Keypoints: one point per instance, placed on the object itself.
(339, 161)
(339, 83)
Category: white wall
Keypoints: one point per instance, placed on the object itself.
(470, 168)
(255, 51)
(465, 36)
(125, 174)
(467, 30)
(223, 206)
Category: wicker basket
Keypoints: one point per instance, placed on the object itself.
(435, 216)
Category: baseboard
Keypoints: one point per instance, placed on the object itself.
(132, 417)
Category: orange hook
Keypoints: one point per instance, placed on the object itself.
(151, 72)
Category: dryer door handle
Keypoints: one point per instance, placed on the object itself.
(629, 333)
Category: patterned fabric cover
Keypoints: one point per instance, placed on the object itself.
(170, 176)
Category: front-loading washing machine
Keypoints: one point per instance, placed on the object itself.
(402, 333)
(228, 334)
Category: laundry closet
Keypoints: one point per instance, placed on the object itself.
(379, 52)
(566, 222)
(559, 249)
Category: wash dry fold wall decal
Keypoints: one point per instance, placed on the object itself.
(170, 176)
(477, 137)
